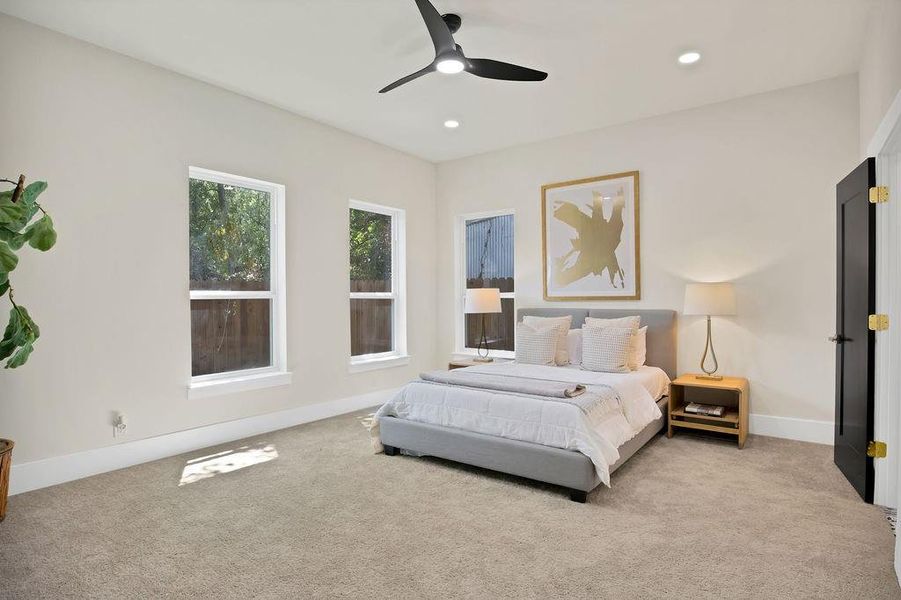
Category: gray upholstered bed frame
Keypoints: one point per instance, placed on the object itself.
(572, 470)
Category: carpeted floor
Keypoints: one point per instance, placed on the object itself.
(686, 518)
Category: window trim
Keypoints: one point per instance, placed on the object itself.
(276, 373)
(398, 293)
(460, 348)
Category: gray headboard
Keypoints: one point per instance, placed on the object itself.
(661, 328)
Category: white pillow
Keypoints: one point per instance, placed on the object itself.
(630, 323)
(562, 324)
(574, 346)
(606, 349)
(640, 348)
(536, 345)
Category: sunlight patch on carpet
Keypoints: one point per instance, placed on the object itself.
(226, 462)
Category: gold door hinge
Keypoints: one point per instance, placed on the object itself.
(876, 449)
(878, 194)
(878, 322)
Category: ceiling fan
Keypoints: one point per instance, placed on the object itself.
(449, 57)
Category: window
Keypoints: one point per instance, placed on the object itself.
(237, 281)
(485, 259)
(377, 285)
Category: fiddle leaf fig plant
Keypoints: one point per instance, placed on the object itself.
(18, 226)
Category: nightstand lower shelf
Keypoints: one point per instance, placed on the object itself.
(730, 429)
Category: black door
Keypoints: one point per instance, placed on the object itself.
(854, 342)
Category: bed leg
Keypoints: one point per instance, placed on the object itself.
(580, 496)
(390, 450)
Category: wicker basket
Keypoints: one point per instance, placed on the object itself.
(6, 455)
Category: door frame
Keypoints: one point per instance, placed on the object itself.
(885, 146)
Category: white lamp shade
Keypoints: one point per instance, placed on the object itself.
(482, 300)
(709, 299)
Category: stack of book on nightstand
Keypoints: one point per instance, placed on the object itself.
(705, 410)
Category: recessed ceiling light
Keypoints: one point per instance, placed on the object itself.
(689, 58)
(452, 124)
(450, 65)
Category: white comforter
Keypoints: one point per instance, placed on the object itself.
(540, 421)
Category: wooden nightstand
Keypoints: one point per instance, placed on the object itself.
(732, 392)
(468, 362)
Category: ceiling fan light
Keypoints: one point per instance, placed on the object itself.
(450, 65)
(689, 58)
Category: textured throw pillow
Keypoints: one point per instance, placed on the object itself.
(574, 346)
(606, 349)
(536, 345)
(562, 324)
(639, 348)
(631, 323)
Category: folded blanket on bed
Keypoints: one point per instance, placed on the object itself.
(505, 383)
(599, 399)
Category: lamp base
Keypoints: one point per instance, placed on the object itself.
(482, 359)
(710, 377)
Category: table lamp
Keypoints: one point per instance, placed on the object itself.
(482, 301)
(709, 299)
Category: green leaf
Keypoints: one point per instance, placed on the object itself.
(14, 240)
(41, 234)
(20, 357)
(4, 287)
(32, 191)
(29, 201)
(6, 348)
(8, 259)
(13, 330)
(28, 323)
(10, 212)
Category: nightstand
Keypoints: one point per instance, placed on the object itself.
(468, 362)
(731, 392)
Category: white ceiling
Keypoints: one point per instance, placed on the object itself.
(609, 61)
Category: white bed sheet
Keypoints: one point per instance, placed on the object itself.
(530, 419)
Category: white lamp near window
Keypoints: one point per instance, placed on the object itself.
(709, 299)
(482, 301)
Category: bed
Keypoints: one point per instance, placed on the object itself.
(569, 468)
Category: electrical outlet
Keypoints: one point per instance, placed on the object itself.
(120, 425)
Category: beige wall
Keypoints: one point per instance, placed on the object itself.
(880, 67)
(743, 190)
(114, 138)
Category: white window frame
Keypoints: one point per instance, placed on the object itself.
(276, 374)
(398, 293)
(460, 348)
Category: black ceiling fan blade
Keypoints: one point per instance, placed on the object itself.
(407, 79)
(438, 31)
(495, 69)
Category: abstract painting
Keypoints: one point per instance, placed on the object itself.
(590, 241)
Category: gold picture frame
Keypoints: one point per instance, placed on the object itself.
(602, 236)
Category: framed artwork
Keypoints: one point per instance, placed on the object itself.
(589, 238)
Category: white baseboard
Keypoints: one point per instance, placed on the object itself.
(803, 430)
(60, 469)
